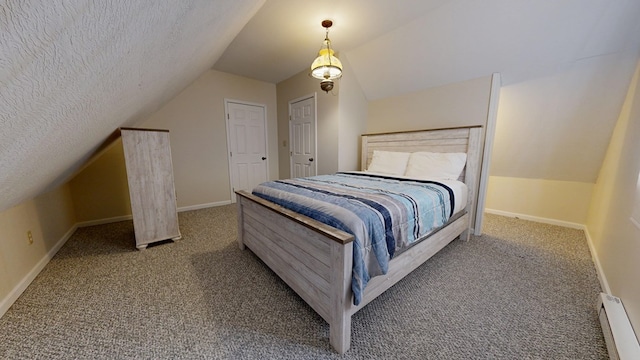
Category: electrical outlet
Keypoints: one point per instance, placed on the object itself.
(30, 237)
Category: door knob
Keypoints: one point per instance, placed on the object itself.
(310, 159)
(264, 158)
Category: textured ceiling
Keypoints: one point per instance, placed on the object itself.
(73, 72)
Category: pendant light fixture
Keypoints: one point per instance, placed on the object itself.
(326, 67)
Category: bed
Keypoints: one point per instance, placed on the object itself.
(316, 260)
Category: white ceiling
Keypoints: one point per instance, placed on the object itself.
(410, 45)
(72, 72)
(284, 37)
(565, 65)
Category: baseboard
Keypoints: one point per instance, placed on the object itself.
(204, 206)
(130, 217)
(536, 219)
(15, 293)
(604, 284)
(594, 254)
(104, 221)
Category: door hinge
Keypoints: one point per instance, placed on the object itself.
(228, 116)
(231, 153)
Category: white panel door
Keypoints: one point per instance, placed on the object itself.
(302, 137)
(246, 133)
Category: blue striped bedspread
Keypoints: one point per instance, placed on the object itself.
(384, 214)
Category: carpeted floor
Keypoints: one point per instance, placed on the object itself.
(521, 291)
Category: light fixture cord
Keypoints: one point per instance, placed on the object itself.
(326, 37)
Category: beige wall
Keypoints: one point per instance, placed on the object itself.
(466, 103)
(298, 86)
(614, 239)
(562, 202)
(196, 122)
(50, 218)
(342, 118)
(353, 113)
(459, 104)
(100, 191)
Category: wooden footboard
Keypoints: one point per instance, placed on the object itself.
(316, 260)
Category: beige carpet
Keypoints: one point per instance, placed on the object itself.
(521, 291)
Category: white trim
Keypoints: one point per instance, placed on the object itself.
(537, 219)
(313, 96)
(245, 103)
(15, 293)
(204, 206)
(635, 222)
(104, 221)
(130, 217)
(604, 284)
(489, 134)
(266, 139)
(21, 286)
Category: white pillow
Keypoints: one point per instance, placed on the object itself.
(389, 162)
(429, 165)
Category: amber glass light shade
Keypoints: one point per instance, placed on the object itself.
(326, 65)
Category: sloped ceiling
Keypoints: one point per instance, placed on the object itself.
(565, 65)
(284, 37)
(73, 72)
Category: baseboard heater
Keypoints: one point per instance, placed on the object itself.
(621, 340)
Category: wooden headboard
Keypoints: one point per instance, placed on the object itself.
(462, 139)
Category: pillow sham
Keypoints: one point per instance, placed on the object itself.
(429, 165)
(389, 162)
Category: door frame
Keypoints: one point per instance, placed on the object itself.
(266, 139)
(313, 95)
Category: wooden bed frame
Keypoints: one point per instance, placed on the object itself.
(315, 259)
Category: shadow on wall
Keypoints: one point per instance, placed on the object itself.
(101, 191)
